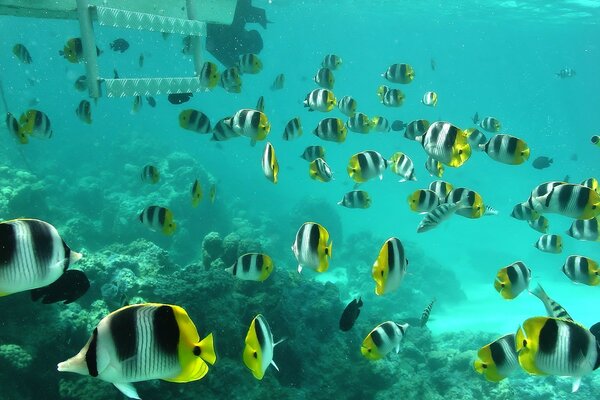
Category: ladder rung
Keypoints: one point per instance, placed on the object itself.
(151, 86)
(143, 21)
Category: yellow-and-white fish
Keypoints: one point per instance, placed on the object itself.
(380, 124)
(570, 200)
(497, 360)
(84, 111)
(446, 143)
(434, 167)
(416, 128)
(324, 78)
(252, 267)
(506, 149)
(331, 61)
(15, 130)
(512, 280)
(250, 64)
(258, 351)
(331, 130)
(384, 338)
(35, 123)
(270, 166)
(366, 165)
(585, 229)
(476, 138)
(195, 121)
(311, 153)
(253, 124)
(359, 123)
(472, 202)
(293, 129)
(582, 269)
(231, 80)
(312, 247)
(209, 75)
(430, 99)
(347, 105)
(356, 199)
(150, 174)
(196, 193)
(402, 165)
(278, 82)
(390, 267)
(441, 189)
(390, 97)
(423, 200)
(549, 244)
(490, 124)
(223, 131)
(399, 73)
(159, 219)
(319, 170)
(541, 224)
(524, 212)
(320, 100)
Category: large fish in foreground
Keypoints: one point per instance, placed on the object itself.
(312, 247)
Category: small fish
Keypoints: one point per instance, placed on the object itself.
(311, 153)
(366, 165)
(231, 80)
(570, 200)
(137, 104)
(319, 170)
(380, 124)
(293, 129)
(386, 337)
(416, 128)
(446, 143)
(195, 121)
(320, 100)
(350, 314)
(84, 111)
(426, 313)
(159, 219)
(209, 75)
(399, 73)
(179, 98)
(260, 104)
(475, 138)
(497, 360)
(390, 97)
(253, 124)
(472, 203)
(566, 73)
(512, 280)
(398, 125)
(592, 183)
(553, 309)
(73, 51)
(81, 84)
(506, 149)
(196, 193)
(430, 99)
(270, 166)
(250, 64)
(252, 267)
(359, 123)
(524, 212)
(187, 43)
(141, 60)
(212, 193)
(433, 64)
(582, 269)
(390, 267)
(347, 105)
(21, 52)
(441, 189)
(331, 61)
(115, 73)
(542, 162)
(35, 123)
(475, 118)
(258, 352)
(223, 131)
(423, 200)
(585, 229)
(15, 130)
(278, 82)
(150, 174)
(312, 247)
(119, 45)
(356, 199)
(434, 167)
(331, 129)
(596, 140)
(121, 352)
(151, 101)
(324, 78)
(541, 224)
(549, 244)
(402, 165)
(490, 124)
(437, 216)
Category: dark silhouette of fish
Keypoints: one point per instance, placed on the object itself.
(542, 162)
(475, 118)
(350, 314)
(433, 64)
(119, 45)
(151, 101)
(398, 125)
(69, 287)
(178, 98)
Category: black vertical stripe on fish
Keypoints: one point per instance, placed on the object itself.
(91, 356)
(578, 344)
(582, 197)
(259, 262)
(388, 329)
(67, 259)
(391, 250)
(553, 241)
(511, 146)
(255, 119)
(166, 330)
(8, 248)
(313, 243)
(401, 328)
(496, 144)
(497, 352)
(548, 337)
(260, 337)
(122, 330)
(376, 337)
(150, 215)
(235, 266)
(162, 212)
(246, 263)
(565, 194)
(42, 241)
(513, 275)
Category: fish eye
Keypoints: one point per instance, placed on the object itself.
(255, 355)
(524, 342)
(484, 366)
(381, 272)
(197, 351)
(460, 152)
(369, 350)
(502, 284)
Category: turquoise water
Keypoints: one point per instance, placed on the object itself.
(495, 58)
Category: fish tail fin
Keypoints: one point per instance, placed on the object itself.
(207, 349)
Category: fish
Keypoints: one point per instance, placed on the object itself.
(596, 140)
(541, 224)
(416, 128)
(402, 165)
(150, 174)
(390, 267)
(553, 309)
(73, 51)
(196, 193)
(399, 73)
(311, 153)
(350, 314)
(231, 80)
(34, 256)
(115, 73)
(433, 64)
(151, 101)
(542, 162)
(187, 43)
(119, 45)
(366, 165)
(423, 200)
(270, 166)
(566, 73)
(250, 64)
(490, 124)
(497, 360)
(253, 124)
(359, 123)
(549, 244)
(331, 61)
(278, 82)
(195, 121)
(331, 130)
(84, 111)
(541, 190)
(390, 97)
(21, 52)
(380, 124)
(506, 149)
(438, 215)
(81, 83)
(356, 199)
(312, 247)
(258, 351)
(293, 129)
(209, 75)
(141, 60)
(143, 342)
(212, 193)
(524, 212)
(446, 143)
(441, 189)
(137, 104)
(384, 338)
(320, 100)
(252, 267)
(398, 125)
(15, 130)
(324, 78)
(551, 346)
(475, 138)
(179, 98)
(585, 229)
(425, 314)
(430, 99)
(472, 203)
(223, 131)
(347, 105)
(592, 183)
(512, 280)
(475, 118)
(489, 211)
(580, 269)
(260, 104)
(319, 170)
(570, 200)
(158, 218)
(35, 123)
(434, 167)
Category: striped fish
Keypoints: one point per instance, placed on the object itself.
(223, 131)
(380, 124)
(399, 73)
(209, 75)
(570, 200)
(366, 165)
(258, 352)
(312, 247)
(475, 138)
(592, 183)
(489, 211)
(331, 61)
(430, 99)
(320, 100)
(260, 104)
(356, 199)
(541, 224)
(21, 52)
(35, 123)
(434, 167)
(390, 97)
(143, 342)
(473, 206)
(252, 267)
(497, 360)
(437, 216)
(278, 82)
(250, 64)
(416, 128)
(359, 123)
(549, 244)
(512, 280)
(324, 78)
(581, 269)
(231, 80)
(250, 123)
(311, 153)
(319, 170)
(441, 189)
(423, 200)
(490, 124)
(553, 309)
(150, 174)
(585, 229)
(347, 105)
(84, 111)
(196, 193)
(446, 143)
(15, 130)
(506, 149)
(331, 130)
(426, 313)
(293, 129)
(390, 267)
(402, 165)
(384, 338)
(159, 219)
(524, 212)
(270, 166)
